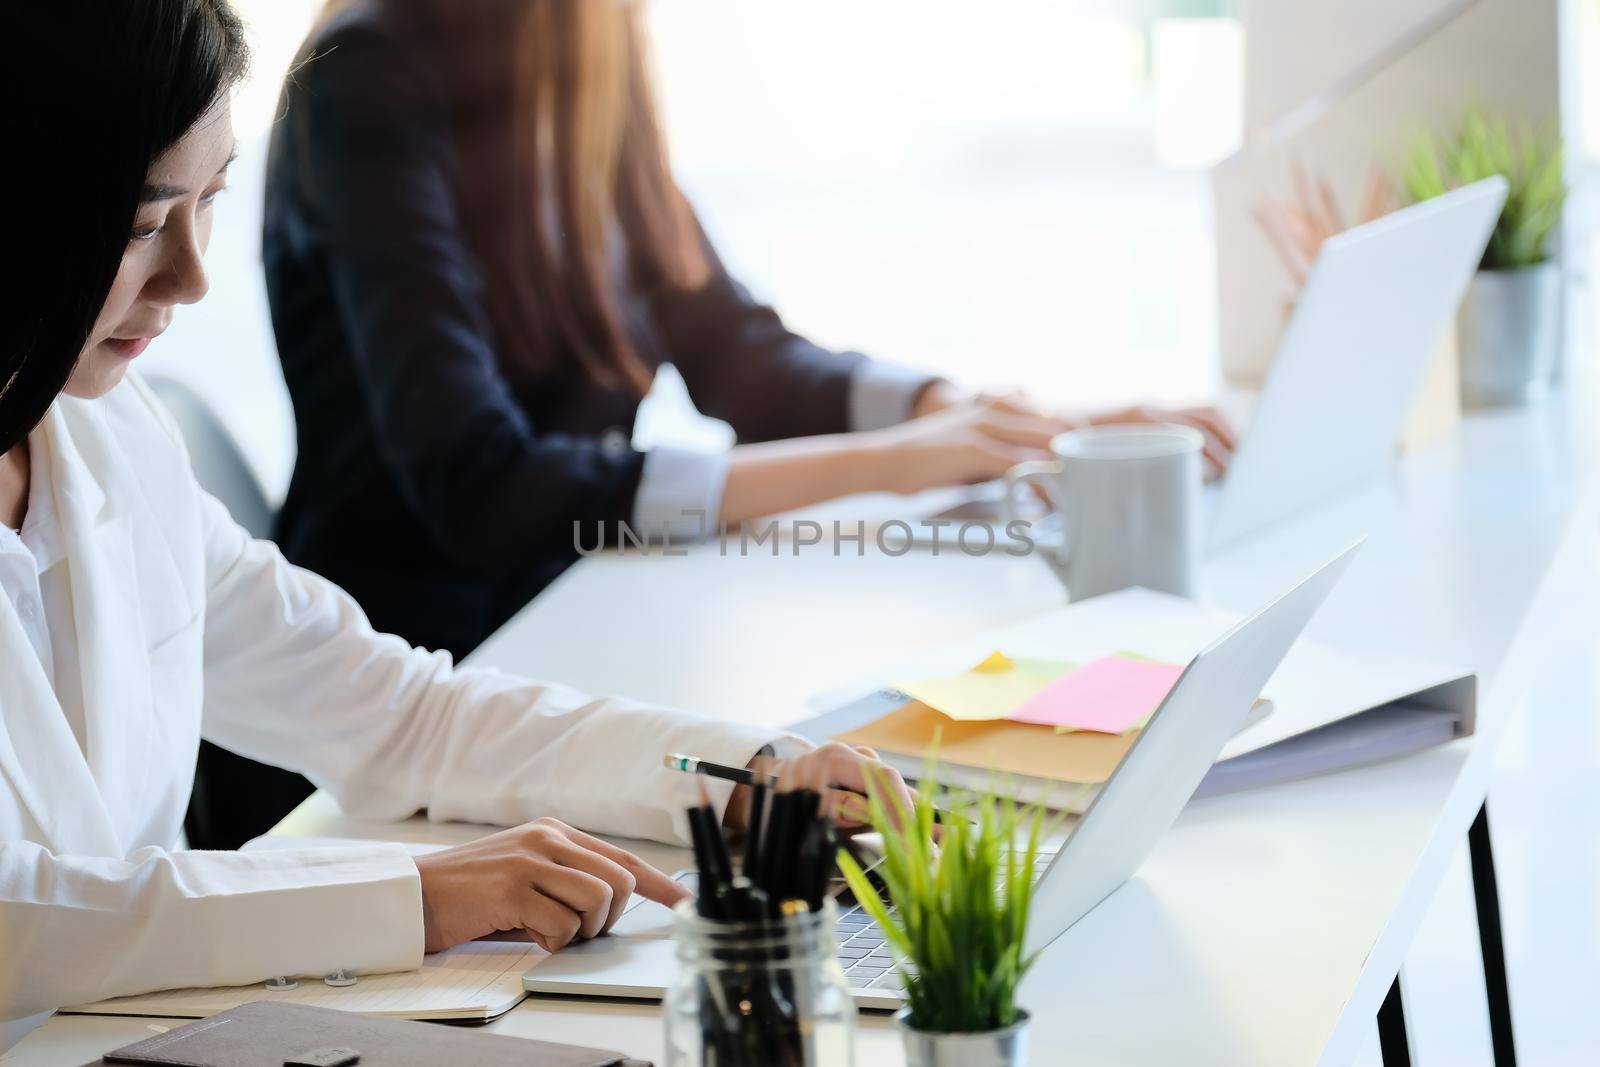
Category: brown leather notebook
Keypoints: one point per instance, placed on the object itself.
(294, 1035)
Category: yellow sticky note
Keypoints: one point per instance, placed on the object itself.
(990, 690)
(997, 661)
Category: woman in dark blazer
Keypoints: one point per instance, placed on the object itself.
(476, 260)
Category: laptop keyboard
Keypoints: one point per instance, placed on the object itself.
(864, 954)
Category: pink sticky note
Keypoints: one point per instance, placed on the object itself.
(1108, 696)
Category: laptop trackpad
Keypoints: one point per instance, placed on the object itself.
(644, 919)
(617, 965)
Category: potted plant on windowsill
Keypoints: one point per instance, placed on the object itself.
(956, 921)
(1509, 321)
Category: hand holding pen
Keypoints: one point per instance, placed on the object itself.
(837, 771)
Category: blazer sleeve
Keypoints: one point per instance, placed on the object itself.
(492, 488)
(741, 363)
(295, 676)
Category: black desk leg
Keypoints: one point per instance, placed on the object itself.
(1487, 897)
(1394, 1041)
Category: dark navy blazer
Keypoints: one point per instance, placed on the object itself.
(437, 493)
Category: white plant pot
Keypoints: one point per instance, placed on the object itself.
(1006, 1047)
(1507, 330)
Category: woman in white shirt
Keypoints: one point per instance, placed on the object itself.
(136, 616)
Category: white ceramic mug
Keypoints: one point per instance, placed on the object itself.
(1128, 498)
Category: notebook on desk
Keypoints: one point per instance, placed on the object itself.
(1062, 771)
(1330, 707)
(473, 983)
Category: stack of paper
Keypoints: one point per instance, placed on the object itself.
(1044, 728)
(1025, 717)
(1110, 695)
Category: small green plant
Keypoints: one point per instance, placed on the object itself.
(1482, 146)
(960, 907)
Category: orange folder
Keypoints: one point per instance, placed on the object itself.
(998, 745)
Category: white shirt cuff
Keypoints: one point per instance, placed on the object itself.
(366, 901)
(680, 493)
(882, 394)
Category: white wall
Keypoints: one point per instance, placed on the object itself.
(1500, 53)
(1298, 48)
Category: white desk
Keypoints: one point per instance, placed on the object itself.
(1267, 926)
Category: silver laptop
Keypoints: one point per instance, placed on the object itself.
(1363, 335)
(1137, 804)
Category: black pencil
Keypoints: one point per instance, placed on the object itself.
(752, 830)
(676, 761)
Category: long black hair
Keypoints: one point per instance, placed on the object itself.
(94, 92)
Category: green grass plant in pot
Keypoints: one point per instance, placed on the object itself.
(1509, 322)
(956, 923)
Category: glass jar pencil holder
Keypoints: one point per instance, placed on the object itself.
(768, 993)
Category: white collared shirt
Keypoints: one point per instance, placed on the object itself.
(34, 578)
(181, 626)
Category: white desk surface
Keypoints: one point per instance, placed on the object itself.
(1267, 925)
